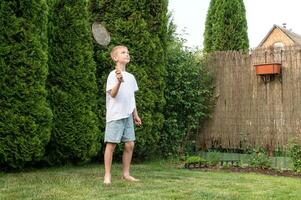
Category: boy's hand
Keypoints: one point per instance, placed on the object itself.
(137, 121)
(119, 75)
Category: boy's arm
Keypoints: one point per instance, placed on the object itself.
(115, 89)
(137, 119)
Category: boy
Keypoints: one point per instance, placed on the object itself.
(121, 112)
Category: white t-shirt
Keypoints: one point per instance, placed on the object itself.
(123, 105)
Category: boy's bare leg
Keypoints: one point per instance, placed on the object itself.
(126, 161)
(110, 147)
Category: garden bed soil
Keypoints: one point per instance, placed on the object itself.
(271, 172)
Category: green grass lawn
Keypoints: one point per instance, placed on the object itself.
(159, 180)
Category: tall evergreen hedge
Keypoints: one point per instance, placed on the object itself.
(25, 119)
(226, 26)
(142, 27)
(72, 83)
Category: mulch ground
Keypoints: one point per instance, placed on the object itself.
(271, 172)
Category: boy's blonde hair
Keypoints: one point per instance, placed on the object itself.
(114, 50)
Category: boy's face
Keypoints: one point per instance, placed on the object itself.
(122, 56)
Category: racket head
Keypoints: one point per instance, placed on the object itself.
(100, 34)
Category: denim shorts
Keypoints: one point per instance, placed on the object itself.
(120, 130)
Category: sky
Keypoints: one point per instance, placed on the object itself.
(190, 16)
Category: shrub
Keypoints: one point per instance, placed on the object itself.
(214, 158)
(188, 95)
(25, 119)
(259, 158)
(72, 84)
(193, 159)
(195, 162)
(295, 154)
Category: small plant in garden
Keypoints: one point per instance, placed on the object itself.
(227, 165)
(195, 161)
(295, 154)
(214, 158)
(230, 163)
(280, 152)
(259, 158)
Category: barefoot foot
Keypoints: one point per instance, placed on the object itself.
(107, 181)
(129, 178)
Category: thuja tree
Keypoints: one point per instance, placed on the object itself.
(226, 26)
(25, 119)
(189, 99)
(142, 27)
(71, 83)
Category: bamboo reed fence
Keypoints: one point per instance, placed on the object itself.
(253, 110)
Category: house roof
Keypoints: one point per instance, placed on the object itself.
(296, 38)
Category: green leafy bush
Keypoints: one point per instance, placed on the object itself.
(25, 119)
(188, 95)
(214, 158)
(295, 154)
(195, 159)
(259, 158)
(195, 162)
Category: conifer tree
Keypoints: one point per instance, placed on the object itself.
(25, 119)
(226, 26)
(72, 83)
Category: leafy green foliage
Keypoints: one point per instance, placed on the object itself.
(226, 26)
(259, 158)
(25, 120)
(188, 96)
(295, 154)
(142, 27)
(72, 84)
(195, 159)
(214, 158)
(74, 135)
